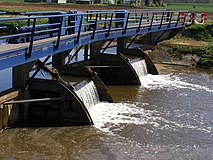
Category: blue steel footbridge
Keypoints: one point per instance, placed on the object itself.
(27, 38)
(38, 34)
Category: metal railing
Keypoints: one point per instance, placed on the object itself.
(35, 26)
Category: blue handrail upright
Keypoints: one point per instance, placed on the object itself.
(79, 30)
(140, 22)
(110, 25)
(170, 20)
(28, 55)
(150, 26)
(126, 23)
(59, 33)
(95, 26)
(72, 22)
(161, 22)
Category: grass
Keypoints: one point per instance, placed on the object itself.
(189, 6)
(12, 1)
(196, 39)
(201, 7)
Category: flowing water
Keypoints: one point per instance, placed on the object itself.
(170, 116)
(88, 93)
(139, 66)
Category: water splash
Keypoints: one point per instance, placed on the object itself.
(112, 117)
(169, 82)
(109, 116)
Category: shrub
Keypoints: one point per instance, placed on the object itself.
(200, 32)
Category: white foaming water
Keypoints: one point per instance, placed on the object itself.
(107, 116)
(169, 82)
(88, 93)
(112, 117)
(139, 66)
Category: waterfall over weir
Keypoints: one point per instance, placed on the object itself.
(88, 93)
(139, 66)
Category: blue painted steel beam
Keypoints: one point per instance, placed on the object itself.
(121, 24)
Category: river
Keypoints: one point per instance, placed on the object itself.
(170, 116)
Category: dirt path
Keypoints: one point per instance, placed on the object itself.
(22, 7)
(58, 7)
(183, 42)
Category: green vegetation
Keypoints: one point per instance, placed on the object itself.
(206, 59)
(205, 62)
(204, 7)
(196, 39)
(195, 7)
(200, 32)
(12, 1)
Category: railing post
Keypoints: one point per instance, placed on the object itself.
(126, 24)
(59, 33)
(110, 25)
(87, 18)
(105, 21)
(28, 55)
(184, 20)
(162, 17)
(100, 15)
(79, 30)
(178, 18)
(139, 26)
(71, 22)
(167, 16)
(170, 20)
(95, 26)
(156, 16)
(193, 17)
(28, 24)
(147, 17)
(150, 27)
(136, 17)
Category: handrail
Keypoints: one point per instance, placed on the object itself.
(31, 40)
(130, 19)
(90, 24)
(79, 14)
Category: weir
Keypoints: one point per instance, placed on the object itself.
(139, 66)
(88, 93)
(58, 101)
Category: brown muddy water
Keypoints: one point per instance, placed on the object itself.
(170, 116)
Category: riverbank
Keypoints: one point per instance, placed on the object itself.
(192, 47)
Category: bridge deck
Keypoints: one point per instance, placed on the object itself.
(11, 47)
(112, 27)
